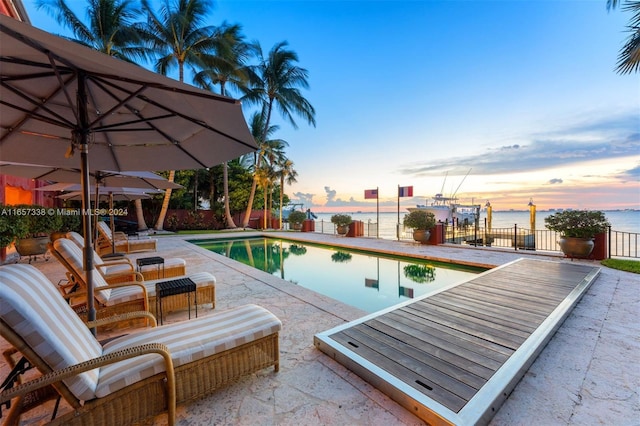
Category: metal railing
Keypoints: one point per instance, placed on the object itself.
(618, 243)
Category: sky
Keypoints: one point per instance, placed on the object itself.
(501, 101)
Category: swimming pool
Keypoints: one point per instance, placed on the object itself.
(366, 280)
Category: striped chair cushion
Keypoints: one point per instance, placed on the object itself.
(73, 255)
(127, 294)
(187, 341)
(32, 307)
(201, 279)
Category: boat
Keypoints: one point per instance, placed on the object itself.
(447, 210)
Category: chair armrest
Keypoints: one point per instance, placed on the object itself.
(120, 261)
(65, 373)
(124, 317)
(134, 277)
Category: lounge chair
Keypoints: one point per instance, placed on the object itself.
(128, 296)
(122, 242)
(136, 376)
(122, 269)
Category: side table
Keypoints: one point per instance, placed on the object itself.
(174, 287)
(153, 260)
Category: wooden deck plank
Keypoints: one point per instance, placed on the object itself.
(449, 346)
(453, 337)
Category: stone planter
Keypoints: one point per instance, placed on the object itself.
(576, 247)
(421, 235)
(32, 246)
(342, 230)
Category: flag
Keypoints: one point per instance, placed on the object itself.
(371, 283)
(370, 193)
(405, 191)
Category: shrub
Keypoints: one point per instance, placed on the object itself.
(419, 219)
(296, 217)
(577, 223)
(341, 219)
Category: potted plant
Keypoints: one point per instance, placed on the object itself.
(422, 222)
(12, 226)
(41, 222)
(69, 221)
(342, 222)
(577, 229)
(296, 218)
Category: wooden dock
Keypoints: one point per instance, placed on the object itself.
(453, 357)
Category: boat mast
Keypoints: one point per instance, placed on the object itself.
(465, 176)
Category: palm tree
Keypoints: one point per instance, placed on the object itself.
(287, 174)
(276, 84)
(178, 38)
(111, 30)
(227, 68)
(629, 56)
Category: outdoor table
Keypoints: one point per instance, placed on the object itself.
(174, 287)
(153, 260)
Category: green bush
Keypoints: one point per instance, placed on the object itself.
(11, 226)
(341, 219)
(296, 217)
(577, 223)
(419, 219)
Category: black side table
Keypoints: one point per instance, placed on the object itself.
(153, 260)
(173, 287)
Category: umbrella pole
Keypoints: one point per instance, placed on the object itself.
(82, 132)
(113, 232)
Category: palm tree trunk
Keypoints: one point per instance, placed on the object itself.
(264, 214)
(165, 204)
(225, 183)
(142, 225)
(281, 198)
(252, 194)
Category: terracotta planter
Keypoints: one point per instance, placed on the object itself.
(421, 235)
(32, 246)
(576, 247)
(342, 230)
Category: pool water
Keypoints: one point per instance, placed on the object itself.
(366, 280)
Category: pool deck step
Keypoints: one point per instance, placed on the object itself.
(454, 356)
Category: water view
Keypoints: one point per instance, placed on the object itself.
(365, 280)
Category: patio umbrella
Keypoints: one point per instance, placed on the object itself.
(59, 98)
(67, 176)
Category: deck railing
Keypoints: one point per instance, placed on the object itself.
(619, 243)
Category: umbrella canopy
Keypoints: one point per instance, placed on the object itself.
(68, 177)
(59, 98)
(133, 119)
(121, 194)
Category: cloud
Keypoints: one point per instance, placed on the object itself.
(304, 198)
(331, 194)
(610, 138)
(555, 180)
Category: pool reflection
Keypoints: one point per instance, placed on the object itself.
(365, 280)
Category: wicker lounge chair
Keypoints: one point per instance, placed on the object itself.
(122, 269)
(125, 297)
(122, 242)
(136, 376)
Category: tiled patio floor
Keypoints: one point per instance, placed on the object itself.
(588, 374)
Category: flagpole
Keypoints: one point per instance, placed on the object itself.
(398, 222)
(378, 211)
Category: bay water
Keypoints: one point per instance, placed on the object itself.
(621, 220)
